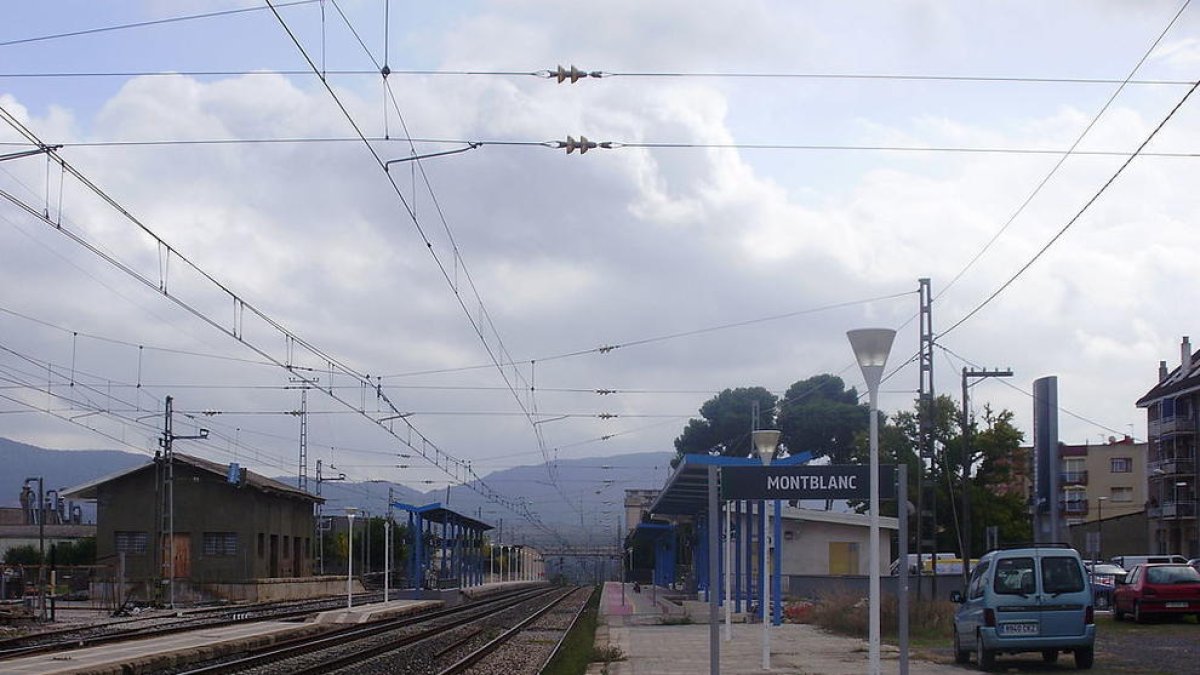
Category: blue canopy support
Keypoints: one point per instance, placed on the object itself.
(459, 546)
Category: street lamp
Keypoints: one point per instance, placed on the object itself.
(765, 442)
(350, 512)
(871, 347)
(1100, 527)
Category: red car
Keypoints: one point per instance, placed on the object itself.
(1158, 589)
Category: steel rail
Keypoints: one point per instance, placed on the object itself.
(479, 654)
(308, 645)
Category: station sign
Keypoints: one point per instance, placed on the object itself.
(837, 481)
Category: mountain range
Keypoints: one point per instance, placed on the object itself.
(584, 504)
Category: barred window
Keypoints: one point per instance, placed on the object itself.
(131, 542)
(220, 543)
(1121, 464)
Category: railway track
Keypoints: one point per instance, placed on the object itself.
(164, 624)
(429, 643)
(529, 646)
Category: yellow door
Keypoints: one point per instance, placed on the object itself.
(843, 557)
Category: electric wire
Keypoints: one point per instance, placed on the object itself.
(616, 145)
(1073, 150)
(1075, 218)
(145, 24)
(444, 461)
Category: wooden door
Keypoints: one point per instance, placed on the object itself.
(183, 555)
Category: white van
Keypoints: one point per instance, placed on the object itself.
(1128, 561)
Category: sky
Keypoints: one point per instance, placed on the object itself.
(780, 173)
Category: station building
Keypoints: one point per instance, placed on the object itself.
(237, 535)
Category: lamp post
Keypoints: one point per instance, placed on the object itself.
(1100, 527)
(765, 442)
(871, 347)
(350, 511)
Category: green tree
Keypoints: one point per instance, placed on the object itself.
(23, 555)
(993, 501)
(819, 415)
(724, 424)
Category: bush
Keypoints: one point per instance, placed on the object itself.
(847, 614)
(23, 555)
(607, 654)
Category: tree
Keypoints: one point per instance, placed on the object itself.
(819, 415)
(724, 427)
(27, 554)
(991, 449)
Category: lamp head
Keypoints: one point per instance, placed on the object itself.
(765, 442)
(871, 347)
(351, 511)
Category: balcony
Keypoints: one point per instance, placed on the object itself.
(1172, 425)
(1184, 509)
(1074, 477)
(1074, 507)
(1178, 463)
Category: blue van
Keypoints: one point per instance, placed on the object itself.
(1031, 599)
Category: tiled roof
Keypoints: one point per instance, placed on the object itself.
(1178, 381)
(254, 480)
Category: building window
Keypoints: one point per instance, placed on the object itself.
(1121, 494)
(220, 543)
(1120, 465)
(131, 542)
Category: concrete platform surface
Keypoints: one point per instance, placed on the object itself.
(204, 643)
(653, 645)
(376, 611)
(162, 652)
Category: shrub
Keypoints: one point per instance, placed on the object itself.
(847, 614)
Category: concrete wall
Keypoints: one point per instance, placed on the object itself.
(807, 551)
(812, 587)
(206, 503)
(1124, 535)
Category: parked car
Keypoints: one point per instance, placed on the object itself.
(1195, 562)
(1129, 561)
(1104, 581)
(1158, 589)
(1033, 599)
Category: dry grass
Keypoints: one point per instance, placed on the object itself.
(846, 614)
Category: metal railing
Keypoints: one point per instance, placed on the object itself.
(1182, 509)
(1075, 477)
(1173, 425)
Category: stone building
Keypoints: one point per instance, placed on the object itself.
(236, 534)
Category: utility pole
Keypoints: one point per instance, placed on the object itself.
(925, 451)
(167, 442)
(320, 515)
(41, 519)
(966, 464)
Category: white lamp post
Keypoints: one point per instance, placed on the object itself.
(765, 442)
(350, 511)
(871, 347)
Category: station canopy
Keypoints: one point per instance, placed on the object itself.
(436, 513)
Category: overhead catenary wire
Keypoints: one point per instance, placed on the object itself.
(1075, 218)
(452, 466)
(1071, 151)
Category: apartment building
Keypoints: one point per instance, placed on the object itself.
(1102, 481)
(1171, 414)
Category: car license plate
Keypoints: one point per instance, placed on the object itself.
(1021, 628)
(1177, 604)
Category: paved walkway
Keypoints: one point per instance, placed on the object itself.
(654, 646)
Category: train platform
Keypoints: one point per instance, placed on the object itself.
(654, 639)
(201, 644)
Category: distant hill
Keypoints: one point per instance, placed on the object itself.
(58, 468)
(590, 488)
